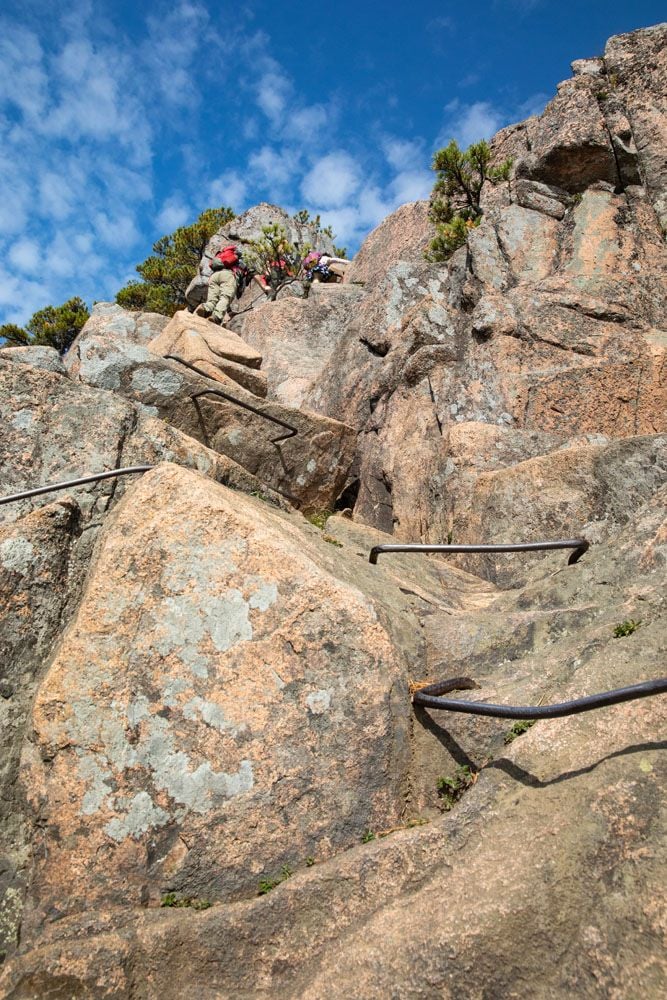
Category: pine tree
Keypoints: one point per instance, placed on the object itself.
(53, 326)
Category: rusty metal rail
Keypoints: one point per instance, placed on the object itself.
(94, 478)
(580, 545)
(291, 430)
(429, 697)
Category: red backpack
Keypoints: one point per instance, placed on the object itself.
(228, 256)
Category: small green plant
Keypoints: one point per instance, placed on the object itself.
(262, 496)
(332, 541)
(451, 789)
(576, 198)
(518, 729)
(172, 899)
(267, 884)
(310, 862)
(626, 628)
(367, 836)
(319, 519)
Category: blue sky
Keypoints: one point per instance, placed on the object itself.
(120, 121)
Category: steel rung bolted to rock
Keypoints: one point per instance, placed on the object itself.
(93, 478)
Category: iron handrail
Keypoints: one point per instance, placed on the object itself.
(110, 474)
(428, 697)
(292, 431)
(580, 545)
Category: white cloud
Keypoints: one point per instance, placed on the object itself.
(411, 185)
(275, 170)
(229, 189)
(468, 123)
(273, 91)
(116, 230)
(403, 154)
(332, 180)
(533, 105)
(174, 213)
(25, 255)
(304, 124)
(56, 198)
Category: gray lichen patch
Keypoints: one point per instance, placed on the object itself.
(17, 555)
(212, 715)
(142, 815)
(164, 383)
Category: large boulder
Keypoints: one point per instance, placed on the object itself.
(310, 467)
(111, 320)
(402, 236)
(219, 707)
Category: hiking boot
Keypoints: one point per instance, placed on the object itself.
(201, 310)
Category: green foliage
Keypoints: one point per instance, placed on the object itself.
(449, 237)
(332, 541)
(450, 790)
(53, 326)
(172, 899)
(518, 729)
(367, 836)
(340, 252)
(455, 200)
(319, 519)
(626, 628)
(14, 336)
(267, 884)
(169, 270)
(274, 246)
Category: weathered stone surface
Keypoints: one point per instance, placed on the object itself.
(570, 141)
(541, 197)
(584, 791)
(587, 490)
(637, 71)
(34, 587)
(39, 357)
(110, 320)
(310, 467)
(298, 338)
(57, 429)
(202, 340)
(245, 713)
(402, 236)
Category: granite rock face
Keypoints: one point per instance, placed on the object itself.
(243, 708)
(206, 699)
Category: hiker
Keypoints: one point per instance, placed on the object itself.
(276, 274)
(223, 286)
(335, 265)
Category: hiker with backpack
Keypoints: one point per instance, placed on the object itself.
(229, 278)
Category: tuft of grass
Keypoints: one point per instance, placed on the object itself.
(518, 729)
(265, 497)
(367, 836)
(194, 902)
(319, 519)
(267, 884)
(332, 541)
(626, 628)
(450, 789)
